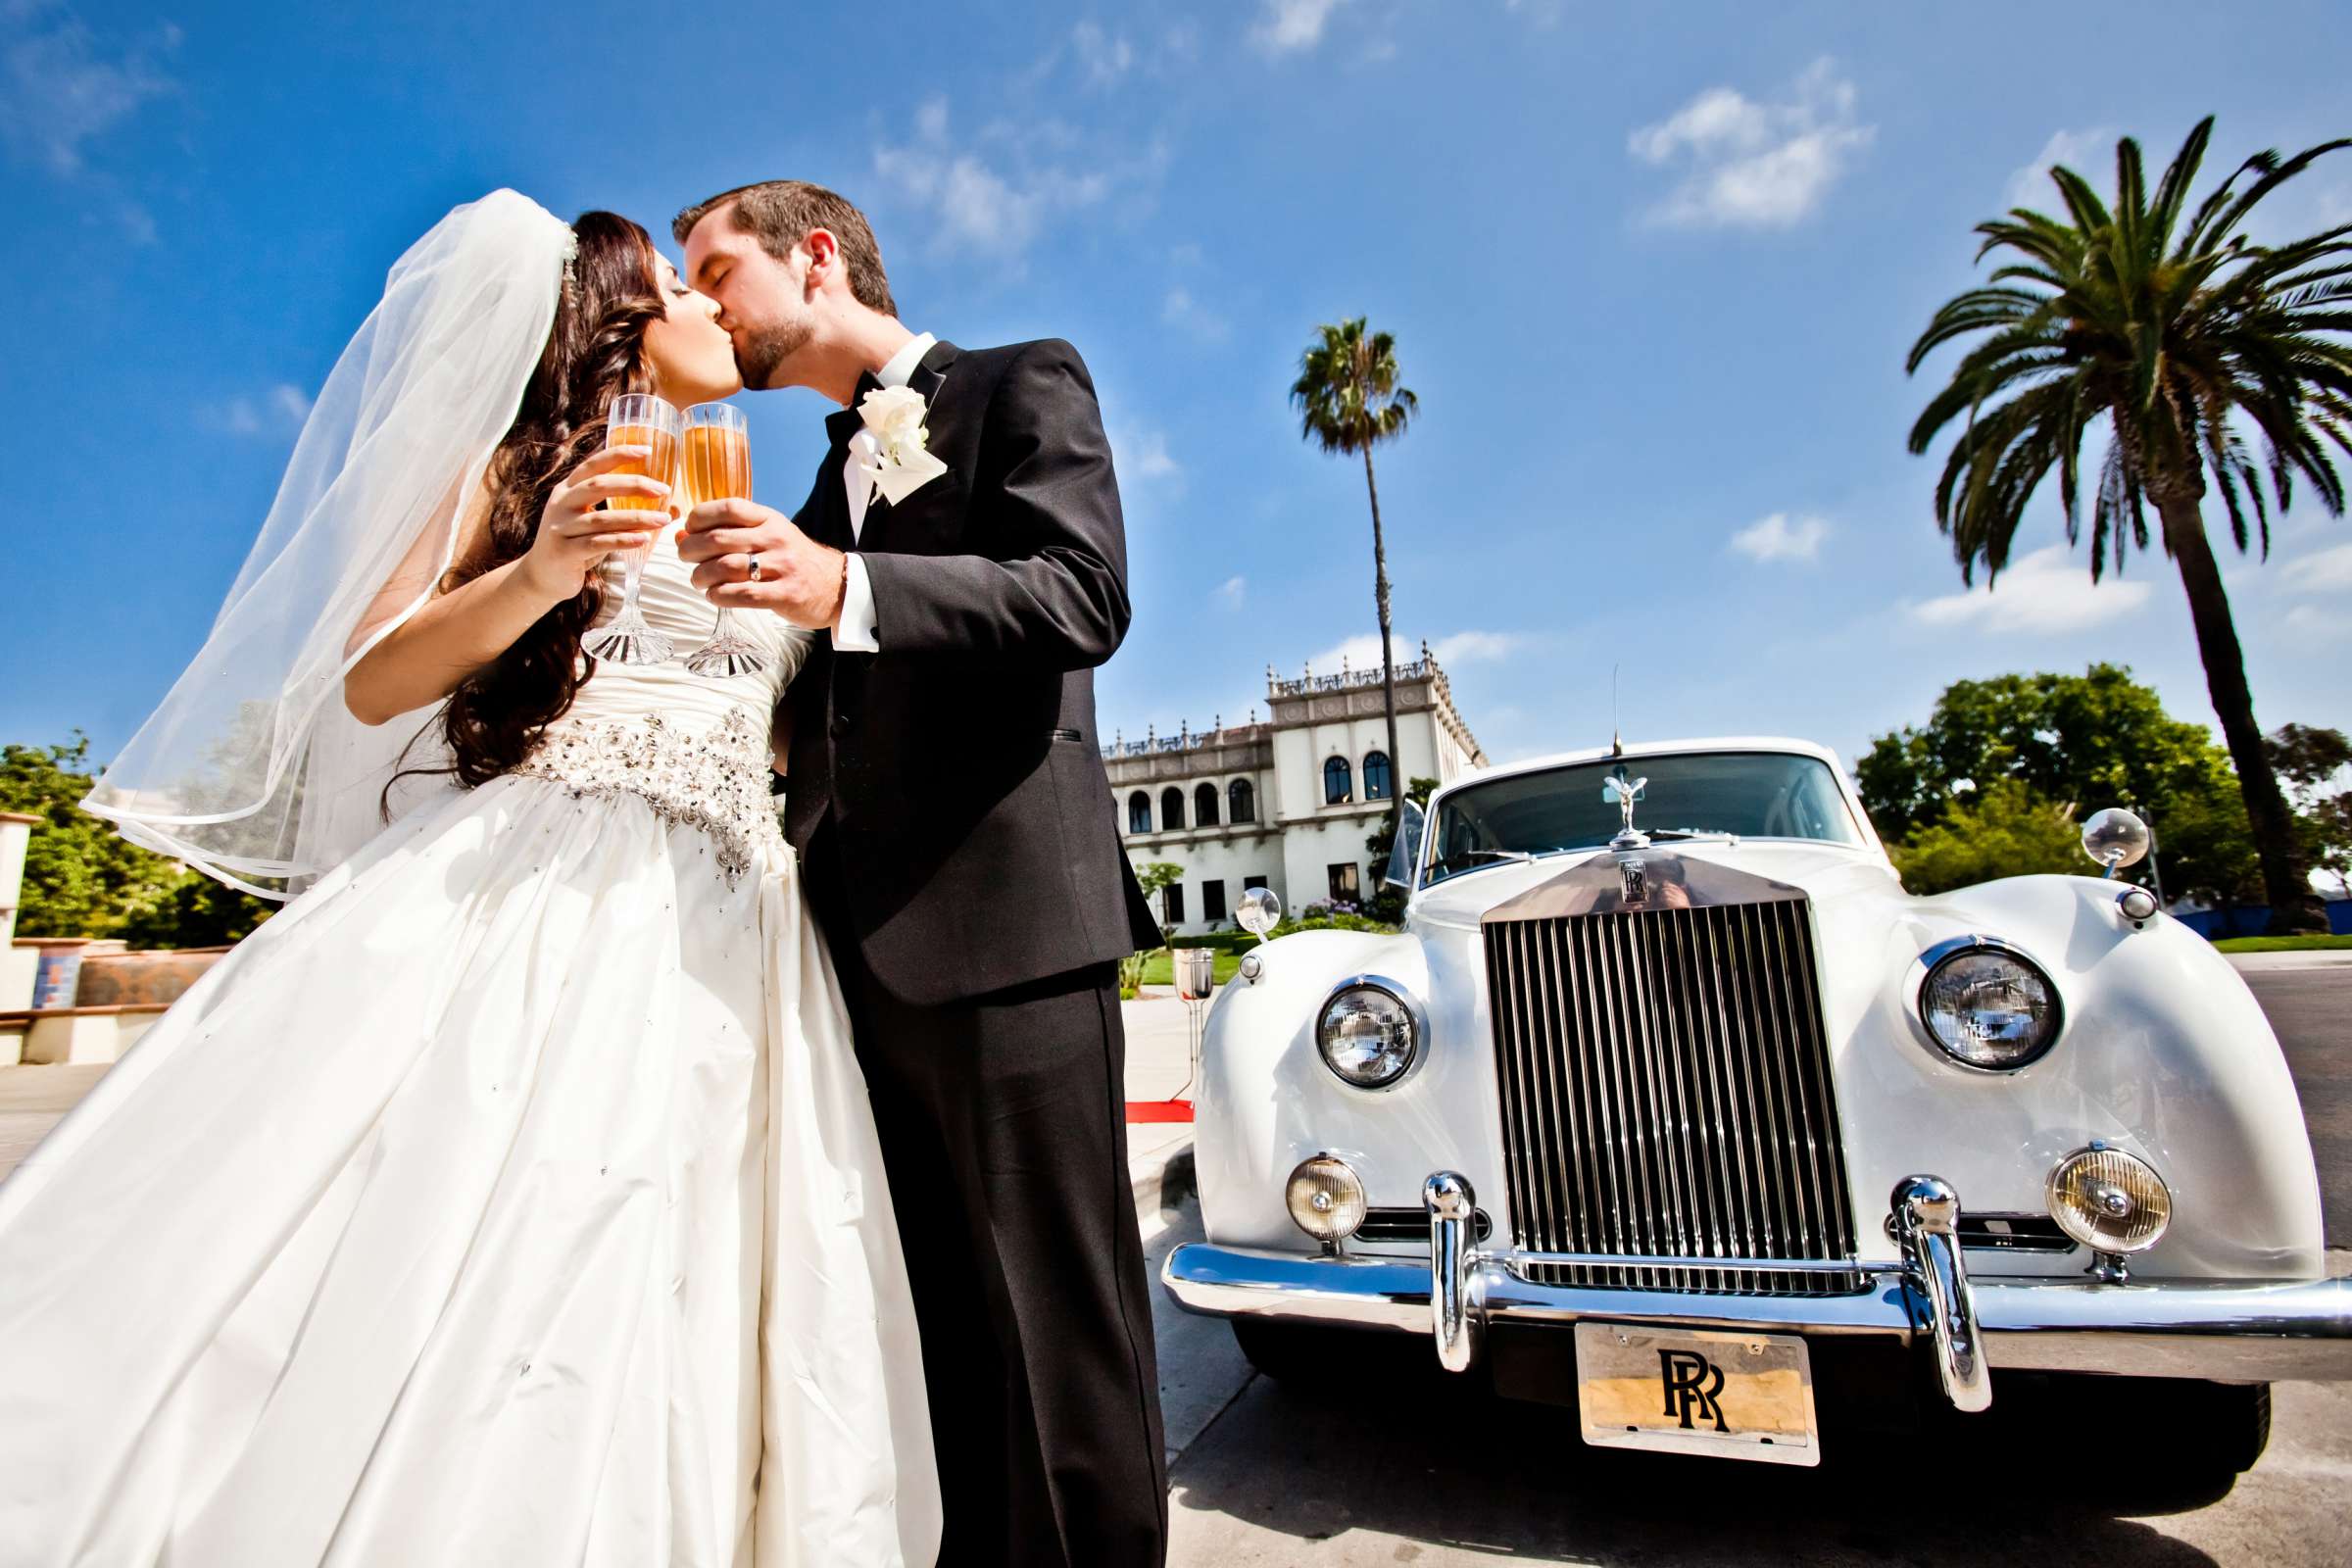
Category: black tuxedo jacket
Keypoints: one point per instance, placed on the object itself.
(958, 768)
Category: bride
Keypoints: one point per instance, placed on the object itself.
(513, 1197)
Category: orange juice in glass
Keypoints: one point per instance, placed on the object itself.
(638, 419)
(718, 467)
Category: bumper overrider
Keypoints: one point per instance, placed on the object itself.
(2229, 1331)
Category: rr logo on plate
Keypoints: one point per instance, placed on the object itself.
(1693, 1385)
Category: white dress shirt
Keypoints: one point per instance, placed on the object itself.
(855, 634)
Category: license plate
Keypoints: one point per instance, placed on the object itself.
(1696, 1391)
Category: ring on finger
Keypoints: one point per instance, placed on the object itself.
(752, 566)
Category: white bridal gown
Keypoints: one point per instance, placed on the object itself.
(510, 1199)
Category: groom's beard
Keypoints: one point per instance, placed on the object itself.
(758, 357)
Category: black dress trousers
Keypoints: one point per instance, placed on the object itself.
(1004, 1129)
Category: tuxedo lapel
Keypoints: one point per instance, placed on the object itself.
(939, 418)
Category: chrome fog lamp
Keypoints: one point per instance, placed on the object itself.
(1985, 1005)
(2109, 1201)
(1326, 1199)
(2136, 904)
(1368, 1033)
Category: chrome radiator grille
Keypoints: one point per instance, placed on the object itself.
(1665, 1085)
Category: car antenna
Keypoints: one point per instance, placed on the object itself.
(1616, 732)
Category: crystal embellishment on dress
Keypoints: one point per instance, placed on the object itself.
(712, 780)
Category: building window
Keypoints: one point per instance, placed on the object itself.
(1171, 904)
(1249, 882)
(1139, 813)
(1171, 808)
(1212, 899)
(1338, 787)
(1204, 806)
(1376, 776)
(1346, 885)
(1243, 799)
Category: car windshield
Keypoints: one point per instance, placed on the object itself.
(1747, 793)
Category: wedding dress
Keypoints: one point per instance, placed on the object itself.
(509, 1198)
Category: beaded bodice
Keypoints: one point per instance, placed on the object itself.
(694, 748)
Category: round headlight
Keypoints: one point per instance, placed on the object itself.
(1367, 1035)
(1326, 1199)
(2109, 1200)
(1989, 1008)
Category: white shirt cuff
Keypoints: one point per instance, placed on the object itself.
(855, 633)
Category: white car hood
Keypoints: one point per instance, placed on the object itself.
(1821, 869)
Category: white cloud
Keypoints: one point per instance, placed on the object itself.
(61, 87)
(2327, 571)
(1362, 652)
(1751, 164)
(1142, 454)
(2042, 593)
(277, 413)
(995, 192)
(1190, 316)
(1233, 592)
(1776, 538)
(1286, 26)
(1102, 57)
(2314, 624)
(2087, 152)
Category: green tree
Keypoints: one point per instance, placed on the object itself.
(1349, 400)
(2310, 761)
(83, 879)
(2004, 829)
(1153, 877)
(2084, 742)
(2176, 336)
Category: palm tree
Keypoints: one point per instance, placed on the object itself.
(2177, 336)
(1348, 401)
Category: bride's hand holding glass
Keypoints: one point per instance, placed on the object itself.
(574, 537)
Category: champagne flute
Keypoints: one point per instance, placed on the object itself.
(718, 467)
(638, 419)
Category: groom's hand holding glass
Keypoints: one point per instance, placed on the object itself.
(750, 557)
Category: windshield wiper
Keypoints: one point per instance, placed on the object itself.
(1493, 854)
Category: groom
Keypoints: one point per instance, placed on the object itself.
(963, 554)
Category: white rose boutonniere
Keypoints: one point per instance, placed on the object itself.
(902, 462)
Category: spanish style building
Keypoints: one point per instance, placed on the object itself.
(1286, 804)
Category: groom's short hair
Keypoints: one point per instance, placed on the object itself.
(780, 214)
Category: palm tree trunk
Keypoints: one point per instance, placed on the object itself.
(2294, 907)
(1388, 663)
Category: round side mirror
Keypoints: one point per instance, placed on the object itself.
(2115, 838)
(1259, 913)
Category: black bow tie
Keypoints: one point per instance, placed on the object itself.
(842, 424)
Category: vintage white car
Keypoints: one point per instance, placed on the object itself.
(1681, 1119)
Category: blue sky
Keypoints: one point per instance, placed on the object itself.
(1652, 271)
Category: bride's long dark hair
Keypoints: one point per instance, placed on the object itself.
(595, 351)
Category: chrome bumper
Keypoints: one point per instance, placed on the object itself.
(2229, 1331)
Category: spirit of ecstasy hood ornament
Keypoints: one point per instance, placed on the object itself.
(1624, 789)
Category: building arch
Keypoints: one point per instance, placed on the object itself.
(1380, 781)
(1204, 806)
(1171, 808)
(1240, 802)
(1338, 784)
(1139, 813)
